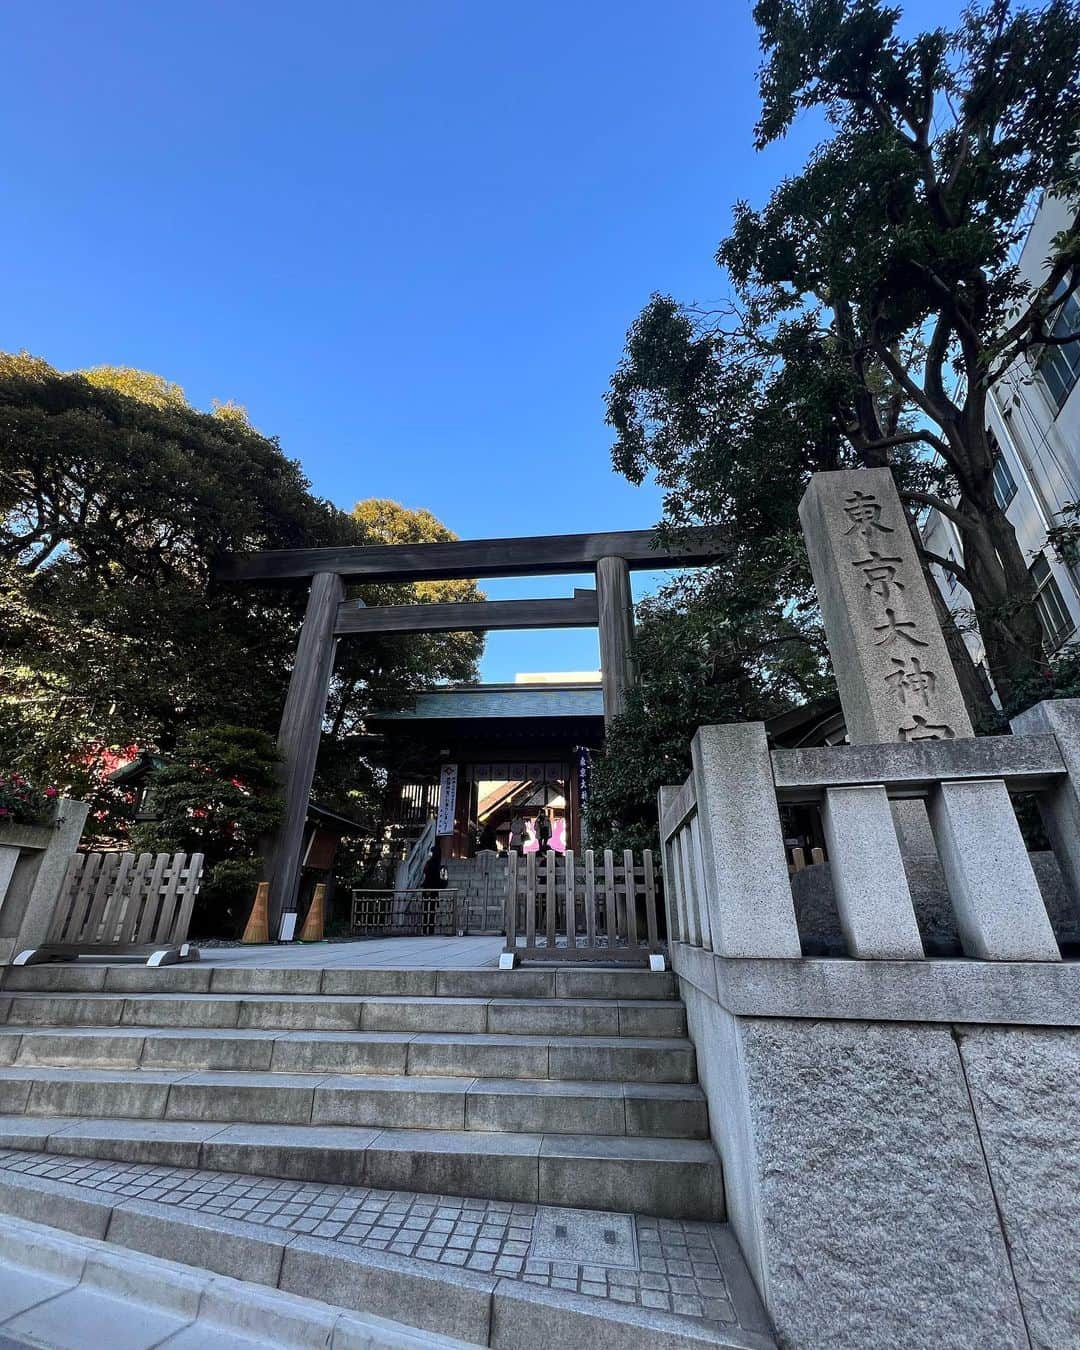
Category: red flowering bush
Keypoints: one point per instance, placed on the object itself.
(23, 804)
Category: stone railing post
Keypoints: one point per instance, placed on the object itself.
(673, 901)
(34, 876)
(1060, 806)
(697, 919)
(746, 887)
(869, 881)
(999, 908)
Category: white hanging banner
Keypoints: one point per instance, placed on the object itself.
(444, 820)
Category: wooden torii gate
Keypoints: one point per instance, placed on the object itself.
(610, 555)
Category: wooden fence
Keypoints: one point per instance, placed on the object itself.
(404, 913)
(122, 905)
(592, 910)
(796, 858)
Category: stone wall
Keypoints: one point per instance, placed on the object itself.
(900, 1184)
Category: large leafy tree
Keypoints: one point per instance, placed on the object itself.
(115, 498)
(219, 795)
(876, 295)
(732, 432)
(430, 657)
(708, 651)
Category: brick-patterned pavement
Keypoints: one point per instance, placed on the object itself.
(663, 1264)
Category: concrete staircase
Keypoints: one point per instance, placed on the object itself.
(571, 1087)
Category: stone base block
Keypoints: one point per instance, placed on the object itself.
(857, 1182)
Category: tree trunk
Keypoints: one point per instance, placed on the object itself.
(1003, 597)
(974, 686)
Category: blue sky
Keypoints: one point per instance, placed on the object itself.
(408, 238)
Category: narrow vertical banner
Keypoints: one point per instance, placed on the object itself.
(448, 784)
(582, 779)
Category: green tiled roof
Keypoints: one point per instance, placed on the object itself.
(509, 700)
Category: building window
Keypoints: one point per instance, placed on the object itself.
(950, 577)
(1060, 366)
(1004, 482)
(1055, 618)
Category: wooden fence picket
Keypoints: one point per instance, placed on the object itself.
(650, 901)
(88, 931)
(570, 916)
(118, 904)
(630, 902)
(530, 900)
(590, 898)
(511, 898)
(611, 903)
(607, 930)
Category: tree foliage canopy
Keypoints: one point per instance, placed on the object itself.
(115, 498)
(876, 295)
(875, 301)
(708, 653)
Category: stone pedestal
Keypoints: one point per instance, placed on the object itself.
(905, 1183)
(33, 859)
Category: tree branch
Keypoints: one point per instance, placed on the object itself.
(947, 565)
(914, 391)
(936, 352)
(938, 503)
(1018, 336)
(909, 438)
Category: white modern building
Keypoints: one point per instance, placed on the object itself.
(1034, 420)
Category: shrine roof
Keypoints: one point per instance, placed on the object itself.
(471, 702)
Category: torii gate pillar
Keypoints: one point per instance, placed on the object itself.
(300, 733)
(616, 624)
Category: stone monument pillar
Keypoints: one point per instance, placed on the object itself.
(897, 683)
(892, 667)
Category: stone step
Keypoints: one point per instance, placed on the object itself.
(67, 1291)
(486, 1272)
(447, 1055)
(481, 1104)
(578, 982)
(670, 1178)
(299, 1012)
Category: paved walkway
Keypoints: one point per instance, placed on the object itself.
(690, 1269)
(400, 953)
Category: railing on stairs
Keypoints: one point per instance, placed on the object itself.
(410, 871)
(559, 909)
